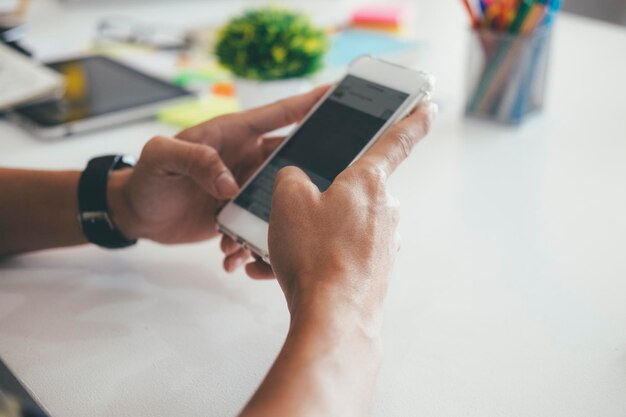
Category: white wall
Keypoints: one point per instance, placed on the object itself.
(610, 10)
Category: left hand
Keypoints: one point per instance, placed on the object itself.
(174, 192)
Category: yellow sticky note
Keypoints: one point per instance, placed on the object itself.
(194, 112)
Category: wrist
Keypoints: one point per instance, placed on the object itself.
(118, 202)
(337, 309)
(333, 328)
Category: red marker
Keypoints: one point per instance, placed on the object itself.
(471, 13)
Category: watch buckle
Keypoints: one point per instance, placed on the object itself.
(96, 216)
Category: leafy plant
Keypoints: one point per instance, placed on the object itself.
(271, 44)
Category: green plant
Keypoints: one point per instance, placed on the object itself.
(270, 44)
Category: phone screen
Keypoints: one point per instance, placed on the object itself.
(328, 141)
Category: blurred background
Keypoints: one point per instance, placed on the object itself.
(178, 42)
(610, 10)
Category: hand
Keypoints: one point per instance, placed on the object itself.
(178, 185)
(343, 241)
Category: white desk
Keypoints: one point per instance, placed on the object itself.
(509, 297)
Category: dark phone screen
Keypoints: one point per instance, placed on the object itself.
(96, 86)
(328, 141)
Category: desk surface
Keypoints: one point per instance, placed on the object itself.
(509, 295)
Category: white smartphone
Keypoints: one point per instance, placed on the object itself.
(372, 96)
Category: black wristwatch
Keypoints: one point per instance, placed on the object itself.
(94, 216)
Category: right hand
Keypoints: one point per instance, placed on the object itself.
(340, 245)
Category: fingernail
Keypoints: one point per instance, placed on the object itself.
(226, 185)
(434, 110)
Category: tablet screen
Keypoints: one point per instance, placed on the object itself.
(96, 86)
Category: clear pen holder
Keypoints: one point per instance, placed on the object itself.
(507, 74)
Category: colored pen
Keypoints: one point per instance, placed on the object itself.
(492, 12)
(555, 5)
(470, 12)
(534, 18)
(522, 12)
(483, 6)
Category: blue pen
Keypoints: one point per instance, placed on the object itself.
(554, 7)
(483, 6)
(537, 56)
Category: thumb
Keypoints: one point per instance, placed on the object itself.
(292, 188)
(397, 143)
(197, 161)
(291, 179)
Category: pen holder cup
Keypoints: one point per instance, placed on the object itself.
(507, 74)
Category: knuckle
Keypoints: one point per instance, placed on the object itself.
(154, 150)
(405, 142)
(203, 157)
(374, 177)
(154, 144)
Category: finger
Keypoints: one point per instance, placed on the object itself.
(235, 260)
(269, 145)
(283, 112)
(200, 162)
(259, 270)
(229, 245)
(397, 143)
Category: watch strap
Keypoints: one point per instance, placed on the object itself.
(94, 214)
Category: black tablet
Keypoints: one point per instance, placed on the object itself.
(99, 92)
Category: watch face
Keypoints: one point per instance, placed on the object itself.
(128, 161)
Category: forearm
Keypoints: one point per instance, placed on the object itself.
(38, 210)
(327, 366)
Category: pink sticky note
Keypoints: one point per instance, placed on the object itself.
(382, 13)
